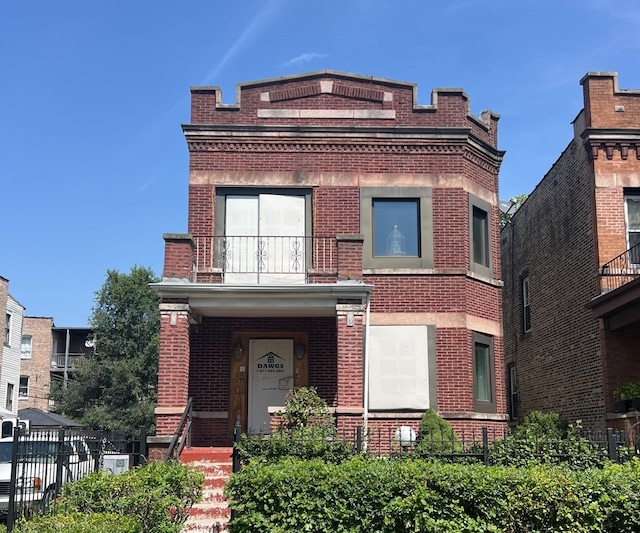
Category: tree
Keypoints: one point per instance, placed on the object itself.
(116, 389)
(508, 209)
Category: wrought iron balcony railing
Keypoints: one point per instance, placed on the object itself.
(621, 269)
(266, 259)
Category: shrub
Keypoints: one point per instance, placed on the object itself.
(365, 494)
(308, 431)
(158, 496)
(304, 408)
(435, 435)
(543, 438)
(80, 523)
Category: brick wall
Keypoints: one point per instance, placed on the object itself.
(38, 368)
(258, 143)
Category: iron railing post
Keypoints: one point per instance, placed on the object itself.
(11, 516)
(142, 448)
(485, 445)
(236, 440)
(612, 445)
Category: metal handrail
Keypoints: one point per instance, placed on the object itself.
(182, 435)
(621, 269)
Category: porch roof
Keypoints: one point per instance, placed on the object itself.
(219, 299)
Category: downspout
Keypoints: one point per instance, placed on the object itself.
(366, 374)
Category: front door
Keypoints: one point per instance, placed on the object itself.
(271, 376)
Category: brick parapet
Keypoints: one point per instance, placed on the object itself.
(179, 256)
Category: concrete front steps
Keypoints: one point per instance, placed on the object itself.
(212, 514)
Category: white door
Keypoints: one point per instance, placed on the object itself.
(270, 378)
(265, 239)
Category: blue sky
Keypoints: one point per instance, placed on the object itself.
(93, 163)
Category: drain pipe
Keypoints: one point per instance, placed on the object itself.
(366, 374)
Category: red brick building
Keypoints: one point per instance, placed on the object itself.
(340, 236)
(570, 263)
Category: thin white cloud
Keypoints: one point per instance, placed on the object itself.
(258, 22)
(303, 58)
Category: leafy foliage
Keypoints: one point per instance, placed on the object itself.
(304, 408)
(435, 435)
(155, 498)
(80, 523)
(365, 494)
(116, 389)
(308, 430)
(545, 439)
(515, 204)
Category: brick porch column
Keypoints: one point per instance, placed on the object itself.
(350, 328)
(173, 370)
(179, 256)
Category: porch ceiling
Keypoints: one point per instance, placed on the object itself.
(619, 307)
(215, 299)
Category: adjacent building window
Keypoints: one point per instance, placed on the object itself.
(632, 217)
(9, 399)
(483, 374)
(526, 307)
(7, 330)
(25, 347)
(23, 389)
(397, 227)
(480, 236)
(401, 367)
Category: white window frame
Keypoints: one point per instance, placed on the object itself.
(526, 306)
(9, 398)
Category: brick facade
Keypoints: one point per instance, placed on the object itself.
(569, 227)
(38, 367)
(332, 136)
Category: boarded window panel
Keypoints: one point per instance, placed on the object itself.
(241, 230)
(398, 371)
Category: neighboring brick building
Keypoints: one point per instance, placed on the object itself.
(326, 209)
(570, 260)
(49, 353)
(35, 363)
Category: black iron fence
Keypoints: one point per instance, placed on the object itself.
(35, 465)
(486, 446)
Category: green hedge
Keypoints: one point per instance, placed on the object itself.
(377, 495)
(155, 498)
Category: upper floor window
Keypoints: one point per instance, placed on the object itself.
(7, 330)
(25, 347)
(397, 226)
(632, 216)
(23, 389)
(526, 307)
(483, 374)
(480, 236)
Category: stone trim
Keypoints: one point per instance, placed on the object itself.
(347, 114)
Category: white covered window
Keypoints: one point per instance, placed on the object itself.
(264, 238)
(398, 367)
(25, 347)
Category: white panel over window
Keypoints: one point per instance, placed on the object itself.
(398, 367)
(265, 239)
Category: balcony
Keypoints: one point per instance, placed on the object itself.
(73, 360)
(620, 270)
(619, 301)
(274, 260)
